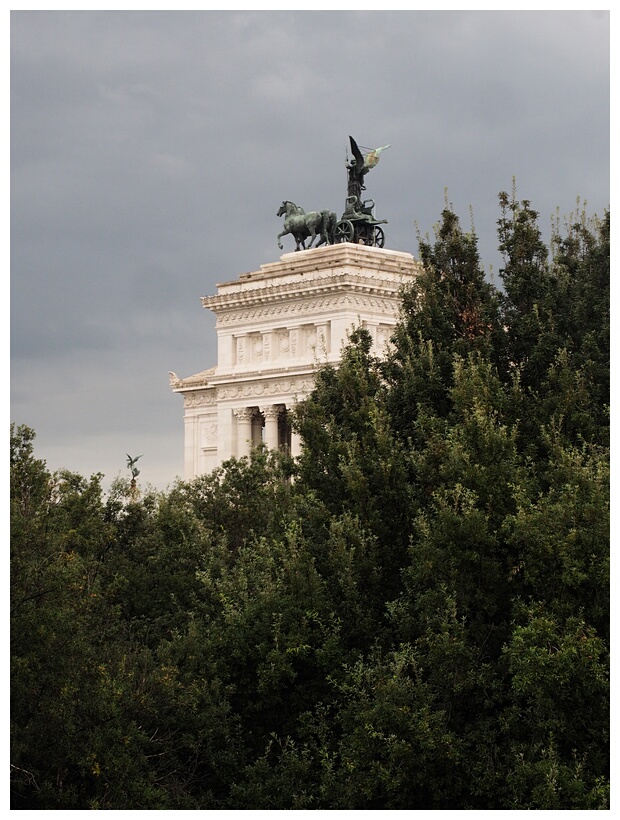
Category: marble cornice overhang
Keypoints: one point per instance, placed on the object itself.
(319, 271)
(275, 372)
(199, 381)
(342, 254)
(210, 379)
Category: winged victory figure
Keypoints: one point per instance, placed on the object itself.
(131, 464)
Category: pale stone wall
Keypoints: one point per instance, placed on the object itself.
(273, 327)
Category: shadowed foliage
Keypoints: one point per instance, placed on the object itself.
(414, 615)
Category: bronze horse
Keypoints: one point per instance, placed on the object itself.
(301, 225)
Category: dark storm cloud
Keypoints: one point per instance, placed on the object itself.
(151, 150)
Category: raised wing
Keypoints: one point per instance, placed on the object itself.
(359, 159)
(372, 157)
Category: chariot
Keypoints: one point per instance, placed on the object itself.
(358, 224)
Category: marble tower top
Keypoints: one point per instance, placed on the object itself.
(274, 327)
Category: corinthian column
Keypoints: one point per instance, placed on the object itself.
(271, 414)
(244, 431)
(295, 444)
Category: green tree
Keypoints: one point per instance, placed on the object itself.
(414, 615)
(556, 314)
(98, 713)
(449, 310)
(352, 475)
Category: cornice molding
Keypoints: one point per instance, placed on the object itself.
(341, 255)
(198, 380)
(332, 284)
(208, 381)
(329, 270)
(386, 303)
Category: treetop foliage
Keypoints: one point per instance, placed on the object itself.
(412, 615)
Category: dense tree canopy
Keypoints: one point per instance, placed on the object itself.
(413, 615)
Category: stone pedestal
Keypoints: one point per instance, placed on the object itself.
(274, 327)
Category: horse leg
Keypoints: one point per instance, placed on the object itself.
(329, 227)
(280, 235)
(312, 230)
(333, 222)
(324, 240)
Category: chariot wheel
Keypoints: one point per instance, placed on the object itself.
(378, 237)
(345, 231)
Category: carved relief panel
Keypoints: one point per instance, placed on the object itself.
(208, 432)
(240, 350)
(256, 341)
(310, 339)
(283, 344)
(382, 340)
(267, 347)
(294, 342)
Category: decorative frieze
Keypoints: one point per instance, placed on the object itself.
(256, 389)
(206, 399)
(310, 307)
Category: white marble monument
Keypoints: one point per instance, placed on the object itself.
(274, 326)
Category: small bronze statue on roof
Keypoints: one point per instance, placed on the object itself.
(359, 166)
(131, 464)
(357, 224)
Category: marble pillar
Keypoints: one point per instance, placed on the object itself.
(271, 414)
(244, 431)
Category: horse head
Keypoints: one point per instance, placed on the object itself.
(288, 208)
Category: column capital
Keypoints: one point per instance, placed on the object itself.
(270, 411)
(244, 413)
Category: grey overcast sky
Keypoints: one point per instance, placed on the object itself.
(151, 150)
